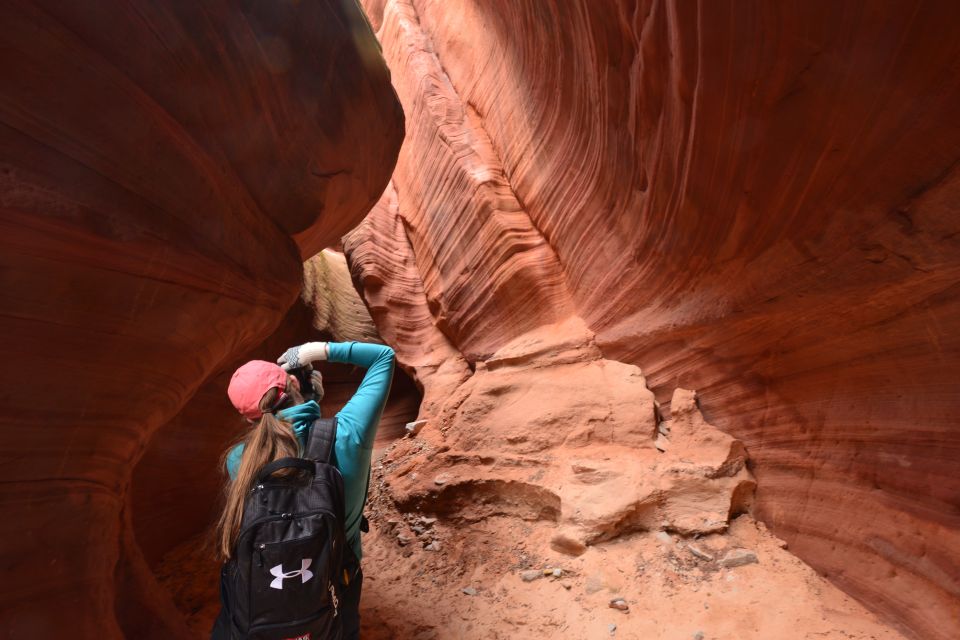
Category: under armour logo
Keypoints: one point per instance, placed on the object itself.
(333, 597)
(304, 574)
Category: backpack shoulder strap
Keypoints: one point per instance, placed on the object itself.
(323, 434)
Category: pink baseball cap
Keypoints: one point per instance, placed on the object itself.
(250, 382)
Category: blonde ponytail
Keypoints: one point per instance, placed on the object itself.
(269, 439)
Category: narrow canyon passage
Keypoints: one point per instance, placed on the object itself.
(672, 286)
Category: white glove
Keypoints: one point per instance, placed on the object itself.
(304, 354)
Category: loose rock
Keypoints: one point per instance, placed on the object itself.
(698, 635)
(530, 575)
(404, 539)
(619, 604)
(699, 553)
(440, 480)
(661, 442)
(413, 428)
(567, 544)
(557, 573)
(612, 628)
(433, 546)
(470, 591)
(738, 558)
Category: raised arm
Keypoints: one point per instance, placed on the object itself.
(364, 409)
(366, 405)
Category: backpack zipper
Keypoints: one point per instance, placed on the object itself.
(263, 545)
(283, 516)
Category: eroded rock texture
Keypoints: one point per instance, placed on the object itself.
(552, 431)
(754, 200)
(157, 160)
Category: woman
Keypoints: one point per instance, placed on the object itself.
(271, 401)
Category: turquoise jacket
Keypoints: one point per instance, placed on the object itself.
(356, 427)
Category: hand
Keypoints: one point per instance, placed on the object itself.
(296, 357)
(290, 359)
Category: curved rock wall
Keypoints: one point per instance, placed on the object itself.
(754, 200)
(182, 458)
(176, 489)
(156, 160)
(338, 312)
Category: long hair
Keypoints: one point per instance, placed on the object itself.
(267, 440)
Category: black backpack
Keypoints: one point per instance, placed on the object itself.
(283, 581)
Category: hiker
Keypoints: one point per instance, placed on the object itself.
(275, 543)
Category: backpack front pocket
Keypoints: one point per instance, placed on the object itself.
(291, 579)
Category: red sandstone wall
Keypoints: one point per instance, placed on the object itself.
(176, 487)
(155, 160)
(754, 200)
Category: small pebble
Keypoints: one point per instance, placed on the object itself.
(404, 540)
(530, 575)
(433, 546)
(413, 428)
(738, 558)
(428, 521)
(470, 591)
(698, 635)
(612, 628)
(700, 553)
(619, 604)
(558, 573)
(440, 480)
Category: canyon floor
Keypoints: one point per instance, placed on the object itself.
(550, 495)
(474, 587)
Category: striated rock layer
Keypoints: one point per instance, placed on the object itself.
(757, 201)
(156, 160)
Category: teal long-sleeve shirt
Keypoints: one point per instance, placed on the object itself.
(356, 428)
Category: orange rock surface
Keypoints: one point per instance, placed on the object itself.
(756, 201)
(158, 161)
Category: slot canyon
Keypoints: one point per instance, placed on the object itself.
(674, 291)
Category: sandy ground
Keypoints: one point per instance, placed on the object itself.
(411, 592)
(672, 594)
